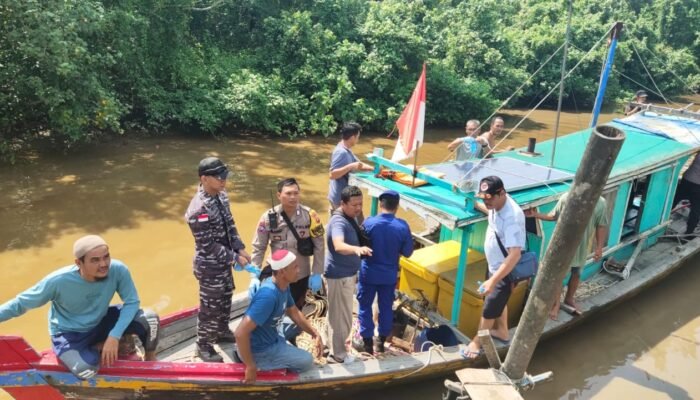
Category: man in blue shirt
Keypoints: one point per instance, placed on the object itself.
(342, 263)
(343, 161)
(80, 317)
(260, 346)
(390, 238)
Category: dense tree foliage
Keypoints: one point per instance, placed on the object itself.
(72, 70)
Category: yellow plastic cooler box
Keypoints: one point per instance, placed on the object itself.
(420, 272)
(472, 301)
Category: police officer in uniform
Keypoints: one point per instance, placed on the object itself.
(273, 229)
(217, 248)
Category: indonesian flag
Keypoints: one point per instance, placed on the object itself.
(411, 122)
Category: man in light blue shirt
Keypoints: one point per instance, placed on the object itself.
(80, 317)
(343, 161)
(506, 225)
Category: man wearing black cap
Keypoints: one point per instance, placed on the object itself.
(217, 248)
(505, 240)
(390, 238)
(639, 98)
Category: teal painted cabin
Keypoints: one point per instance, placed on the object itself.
(639, 191)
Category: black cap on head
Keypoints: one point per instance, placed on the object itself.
(490, 185)
(641, 93)
(212, 166)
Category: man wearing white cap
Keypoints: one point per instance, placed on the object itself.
(260, 345)
(80, 317)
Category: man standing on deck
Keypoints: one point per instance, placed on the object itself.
(488, 138)
(80, 318)
(345, 247)
(217, 248)
(597, 225)
(343, 161)
(471, 130)
(391, 238)
(280, 226)
(507, 225)
(260, 346)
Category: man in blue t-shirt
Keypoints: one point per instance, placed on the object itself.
(80, 317)
(390, 238)
(260, 346)
(342, 263)
(343, 161)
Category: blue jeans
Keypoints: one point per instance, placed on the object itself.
(283, 355)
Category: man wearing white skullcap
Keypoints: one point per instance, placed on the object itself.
(260, 346)
(80, 316)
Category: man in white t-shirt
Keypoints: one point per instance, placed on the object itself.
(507, 223)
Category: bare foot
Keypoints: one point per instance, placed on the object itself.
(554, 312)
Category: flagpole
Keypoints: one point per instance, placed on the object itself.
(415, 165)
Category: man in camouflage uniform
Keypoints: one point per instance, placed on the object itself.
(307, 224)
(217, 248)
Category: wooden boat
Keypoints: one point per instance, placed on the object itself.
(639, 191)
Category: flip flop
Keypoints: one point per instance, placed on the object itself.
(571, 310)
(471, 354)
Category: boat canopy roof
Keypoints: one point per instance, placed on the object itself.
(651, 141)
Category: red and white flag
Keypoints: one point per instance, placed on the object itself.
(411, 122)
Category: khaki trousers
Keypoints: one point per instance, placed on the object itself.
(340, 295)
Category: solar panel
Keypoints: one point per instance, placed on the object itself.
(515, 174)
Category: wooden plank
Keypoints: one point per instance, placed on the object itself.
(489, 348)
(487, 384)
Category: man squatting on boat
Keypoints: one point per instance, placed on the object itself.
(506, 222)
(689, 189)
(81, 322)
(217, 248)
(260, 346)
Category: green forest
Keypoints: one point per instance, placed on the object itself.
(73, 71)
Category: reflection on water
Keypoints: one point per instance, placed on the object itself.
(134, 193)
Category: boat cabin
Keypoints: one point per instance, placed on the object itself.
(639, 195)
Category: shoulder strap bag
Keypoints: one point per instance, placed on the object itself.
(305, 246)
(526, 267)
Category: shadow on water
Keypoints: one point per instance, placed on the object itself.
(610, 346)
(111, 186)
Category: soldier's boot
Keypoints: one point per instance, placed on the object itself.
(207, 353)
(380, 344)
(368, 345)
(226, 337)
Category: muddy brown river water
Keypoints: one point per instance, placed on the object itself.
(134, 192)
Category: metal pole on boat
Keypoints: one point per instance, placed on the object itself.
(597, 162)
(561, 84)
(617, 28)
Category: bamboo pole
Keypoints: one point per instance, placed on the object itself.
(596, 164)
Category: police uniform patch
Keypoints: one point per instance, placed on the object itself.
(261, 227)
(203, 218)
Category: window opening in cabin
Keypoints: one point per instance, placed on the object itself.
(635, 206)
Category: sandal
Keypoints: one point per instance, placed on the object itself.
(471, 354)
